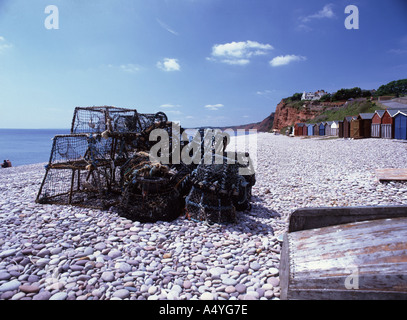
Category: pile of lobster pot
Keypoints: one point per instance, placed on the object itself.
(104, 163)
(206, 192)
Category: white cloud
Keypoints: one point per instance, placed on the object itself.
(169, 65)
(264, 92)
(4, 45)
(325, 12)
(238, 53)
(284, 60)
(239, 62)
(397, 51)
(130, 68)
(214, 107)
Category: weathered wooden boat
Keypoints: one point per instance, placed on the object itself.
(345, 253)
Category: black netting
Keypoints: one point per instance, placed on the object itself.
(218, 190)
(150, 190)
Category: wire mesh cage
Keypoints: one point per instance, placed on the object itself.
(150, 207)
(100, 119)
(218, 190)
(84, 167)
(113, 119)
(150, 190)
(80, 167)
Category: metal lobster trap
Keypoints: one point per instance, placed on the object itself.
(113, 120)
(82, 170)
(219, 190)
(151, 191)
(84, 167)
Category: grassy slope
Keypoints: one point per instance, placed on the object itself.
(351, 109)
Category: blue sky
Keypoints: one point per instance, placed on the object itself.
(203, 62)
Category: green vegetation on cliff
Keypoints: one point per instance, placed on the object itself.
(350, 109)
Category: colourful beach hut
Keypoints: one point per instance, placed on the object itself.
(340, 129)
(377, 123)
(322, 129)
(331, 128)
(365, 125)
(305, 130)
(327, 128)
(299, 129)
(335, 128)
(316, 129)
(400, 125)
(346, 126)
(310, 129)
(387, 126)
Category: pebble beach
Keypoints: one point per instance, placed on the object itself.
(51, 252)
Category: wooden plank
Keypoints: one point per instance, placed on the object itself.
(362, 260)
(391, 174)
(311, 218)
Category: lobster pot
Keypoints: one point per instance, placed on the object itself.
(113, 119)
(242, 201)
(218, 189)
(56, 186)
(100, 119)
(81, 168)
(147, 120)
(78, 187)
(150, 207)
(206, 206)
(79, 147)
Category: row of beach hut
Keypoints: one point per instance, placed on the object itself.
(386, 124)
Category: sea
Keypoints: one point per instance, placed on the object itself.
(27, 146)
(31, 146)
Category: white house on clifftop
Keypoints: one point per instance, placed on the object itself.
(313, 95)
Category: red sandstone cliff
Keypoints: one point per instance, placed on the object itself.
(287, 114)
